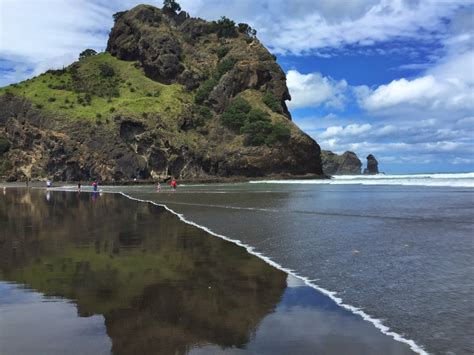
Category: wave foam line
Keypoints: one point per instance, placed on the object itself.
(332, 295)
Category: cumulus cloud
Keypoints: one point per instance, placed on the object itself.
(52, 28)
(348, 131)
(450, 84)
(313, 90)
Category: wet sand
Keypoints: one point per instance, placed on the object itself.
(85, 273)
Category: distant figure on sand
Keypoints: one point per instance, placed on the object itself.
(95, 185)
(79, 186)
(48, 184)
(158, 187)
(173, 184)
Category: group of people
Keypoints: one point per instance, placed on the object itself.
(95, 185)
(173, 185)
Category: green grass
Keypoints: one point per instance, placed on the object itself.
(55, 92)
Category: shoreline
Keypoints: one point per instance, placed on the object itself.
(333, 296)
(378, 324)
(202, 180)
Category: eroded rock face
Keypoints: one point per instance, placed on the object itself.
(175, 48)
(43, 145)
(372, 166)
(345, 164)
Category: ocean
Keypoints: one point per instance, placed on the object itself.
(397, 248)
(395, 251)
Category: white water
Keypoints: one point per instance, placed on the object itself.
(441, 180)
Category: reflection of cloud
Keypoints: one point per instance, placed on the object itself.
(314, 328)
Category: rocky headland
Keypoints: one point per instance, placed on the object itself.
(171, 96)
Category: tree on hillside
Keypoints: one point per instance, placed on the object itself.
(87, 53)
(171, 6)
(118, 15)
(246, 29)
(225, 27)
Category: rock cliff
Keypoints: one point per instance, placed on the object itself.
(345, 164)
(171, 96)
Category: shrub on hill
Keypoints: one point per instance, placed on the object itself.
(222, 52)
(272, 102)
(4, 145)
(202, 93)
(254, 123)
(225, 28)
(280, 133)
(235, 115)
(87, 53)
(204, 90)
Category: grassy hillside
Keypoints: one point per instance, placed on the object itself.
(98, 87)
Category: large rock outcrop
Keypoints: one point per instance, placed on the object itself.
(152, 107)
(345, 164)
(175, 48)
(372, 166)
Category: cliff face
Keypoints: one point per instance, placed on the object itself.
(345, 164)
(172, 96)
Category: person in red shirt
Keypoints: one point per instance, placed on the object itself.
(173, 184)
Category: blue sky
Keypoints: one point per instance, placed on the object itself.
(393, 78)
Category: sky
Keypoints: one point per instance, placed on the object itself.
(392, 78)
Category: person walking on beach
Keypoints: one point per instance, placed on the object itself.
(173, 184)
(158, 187)
(79, 186)
(48, 184)
(95, 185)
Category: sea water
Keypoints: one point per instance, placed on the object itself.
(397, 248)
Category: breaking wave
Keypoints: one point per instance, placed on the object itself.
(440, 180)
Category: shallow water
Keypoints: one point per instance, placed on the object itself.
(402, 254)
(95, 274)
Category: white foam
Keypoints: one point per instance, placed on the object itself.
(435, 180)
(332, 295)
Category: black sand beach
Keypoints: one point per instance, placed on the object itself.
(84, 273)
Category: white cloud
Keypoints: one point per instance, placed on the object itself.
(38, 30)
(449, 84)
(313, 90)
(350, 130)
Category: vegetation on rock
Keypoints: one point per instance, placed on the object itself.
(4, 145)
(87, 53)
(172, 95)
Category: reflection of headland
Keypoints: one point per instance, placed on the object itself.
(162, 286)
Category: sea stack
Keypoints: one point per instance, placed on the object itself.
(372, 166)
